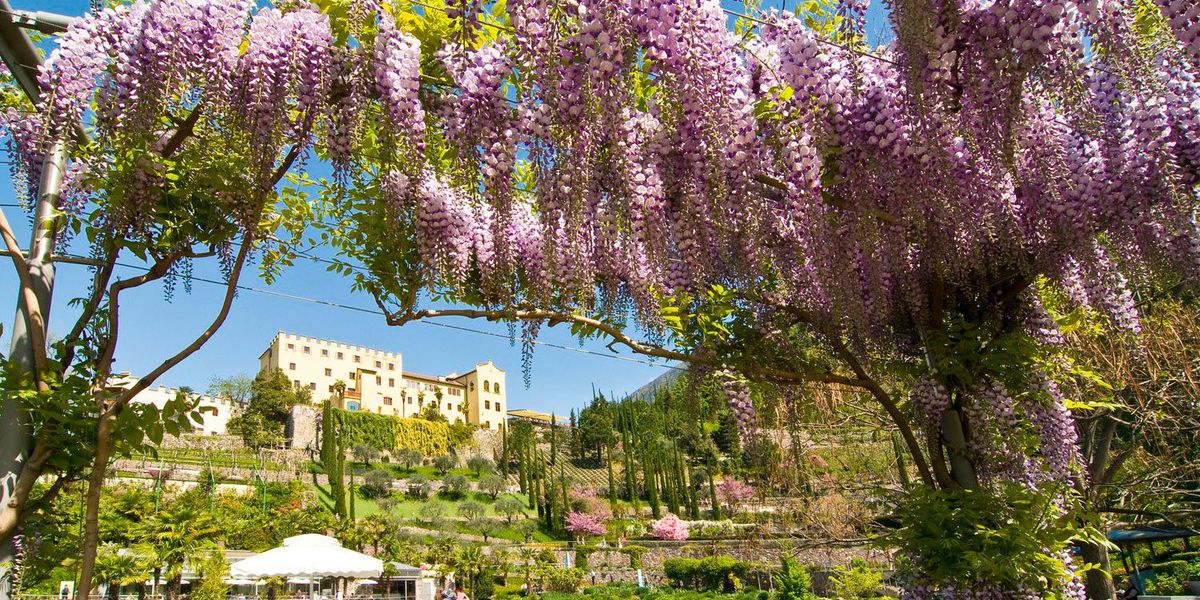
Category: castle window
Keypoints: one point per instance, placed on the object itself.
(378, 380)
(497, 406)
(331, 387)
(487, 424)
(313, 386)
(353, 375)
(378, 365)
(291, 346)
(387, 400)
(391, 382)
(357, 358)
(471, 386)
(487, 404)
(487, 387)
(324, 352)
(308, 350)
(391, 366)
(291, 366)
(341, 356)
(295, 383)
(216, 411)
(329, 372)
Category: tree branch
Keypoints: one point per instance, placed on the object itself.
(34, 321)
(182, 132)
(158, 270)
(230, 291)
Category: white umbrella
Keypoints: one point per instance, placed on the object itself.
(237, 581)
(308, 555)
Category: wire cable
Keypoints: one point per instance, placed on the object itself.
(377, 312)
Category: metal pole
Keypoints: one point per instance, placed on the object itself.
(23, 61)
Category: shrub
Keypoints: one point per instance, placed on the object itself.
(444, 463)
(563, 580)
(472, 511)
(493, 484)
(722, 573)
(409, 458)
(431, 512)
(858, 581)
(635, 553)
(480, 465)
(455, 486)
(715, 573)
(418, 487)
(681, 572)
(377, 484)
(510, 507)
(1171, 577)
(793, 581)
(670, 527)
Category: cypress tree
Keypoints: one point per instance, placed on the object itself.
(650, 475)
(612, 481)
(337, 482)
(693, 499)
(553, 438)
(566, 498)
(712, 492)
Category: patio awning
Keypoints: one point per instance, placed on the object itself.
(1149, 533)
(309, 555)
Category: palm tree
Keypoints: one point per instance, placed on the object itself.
(470, 562)
(528, 558)
(119, 566)
(177, 535)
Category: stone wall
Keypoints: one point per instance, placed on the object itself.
(301, 430)
(611, 566)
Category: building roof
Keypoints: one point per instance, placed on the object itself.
(1149, 533)
(432, 379)
(535, 415)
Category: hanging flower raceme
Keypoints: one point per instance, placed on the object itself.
(174, 43)
(737, 395)
(282, 79)
(397, 70)
(1183, 16)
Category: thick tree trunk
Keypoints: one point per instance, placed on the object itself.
(1099, 582)
(91, 525)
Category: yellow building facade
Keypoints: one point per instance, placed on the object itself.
(377, 382)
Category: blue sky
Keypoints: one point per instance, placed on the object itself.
(153, 328)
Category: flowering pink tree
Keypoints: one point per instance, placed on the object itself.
(733, 492)
(584, 524)
(670, 527)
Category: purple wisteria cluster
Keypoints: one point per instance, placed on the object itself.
(397, 71)
(737, 395)
(1183, 16)
(284, 71)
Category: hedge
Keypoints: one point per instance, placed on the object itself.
(717, 573)
(393, 433)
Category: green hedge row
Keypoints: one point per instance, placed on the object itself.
(716, 573)
(393, 433)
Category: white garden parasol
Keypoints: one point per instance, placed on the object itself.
(308, 555)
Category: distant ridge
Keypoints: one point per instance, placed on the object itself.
(646, 392)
